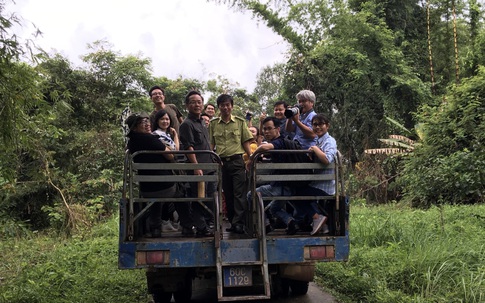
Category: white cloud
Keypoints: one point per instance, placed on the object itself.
(191, 38)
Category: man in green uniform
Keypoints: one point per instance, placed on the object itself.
(230, 137)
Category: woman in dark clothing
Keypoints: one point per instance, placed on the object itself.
(140, 138)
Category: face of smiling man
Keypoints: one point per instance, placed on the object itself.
(195, 104)
(157, 97)
(305, 105)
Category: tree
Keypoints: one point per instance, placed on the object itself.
(446, 166)
(114, 82)
(175, 90)
(351, 61)
(26, 129)
(269, 85)
(18, 91)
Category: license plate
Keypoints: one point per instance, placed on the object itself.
(238, 276)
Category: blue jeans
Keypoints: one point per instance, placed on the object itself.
(277, 208)
(307, 208)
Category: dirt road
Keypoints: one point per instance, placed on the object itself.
(314, 295)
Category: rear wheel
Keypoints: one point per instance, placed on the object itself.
(298, 288)
(279, 287)
(185, 294)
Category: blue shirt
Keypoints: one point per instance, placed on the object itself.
(306, 119)
(329, 146)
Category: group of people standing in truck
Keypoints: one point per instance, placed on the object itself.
(235, 140)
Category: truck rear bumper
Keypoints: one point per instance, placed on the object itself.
(202, 252)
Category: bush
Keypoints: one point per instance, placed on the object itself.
(446, 167)
(374, 179)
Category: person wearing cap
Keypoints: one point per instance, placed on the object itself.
(301, 123)
(230, 137)
(157, 95)
(140, 138)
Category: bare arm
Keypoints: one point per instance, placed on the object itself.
(176, 139)
(247, 147)
(307, 131)
(262, 148)
(289, 126)
(168, 156)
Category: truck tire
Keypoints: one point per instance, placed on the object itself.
(298, 288)
(279, 287)
(162, 297)
(184, 295)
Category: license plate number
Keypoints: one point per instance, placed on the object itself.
(238, 276)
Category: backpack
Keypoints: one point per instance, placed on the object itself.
(296, 158)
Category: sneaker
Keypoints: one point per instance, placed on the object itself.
(318, 224)
(167, 226)
(176, 225)
(175, 216)
(325, 229)
(291, 230)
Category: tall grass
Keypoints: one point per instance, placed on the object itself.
(397, 254)
(400, 254)
(45, 268)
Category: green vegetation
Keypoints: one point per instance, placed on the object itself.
(397, 254)
(368, 61)
(41, 268)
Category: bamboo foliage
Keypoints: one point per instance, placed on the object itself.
(455, 44)
(383, 151)
(397, 145)
(430, 52)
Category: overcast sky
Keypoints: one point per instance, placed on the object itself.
(191, 38)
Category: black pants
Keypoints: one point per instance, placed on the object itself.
(200, 215)
(235, 190)
(155, 213)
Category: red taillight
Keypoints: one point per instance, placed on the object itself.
(153, 257)
(319, 252)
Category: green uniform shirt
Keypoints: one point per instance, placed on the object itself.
(229, 137)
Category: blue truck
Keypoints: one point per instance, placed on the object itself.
(250, 266)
